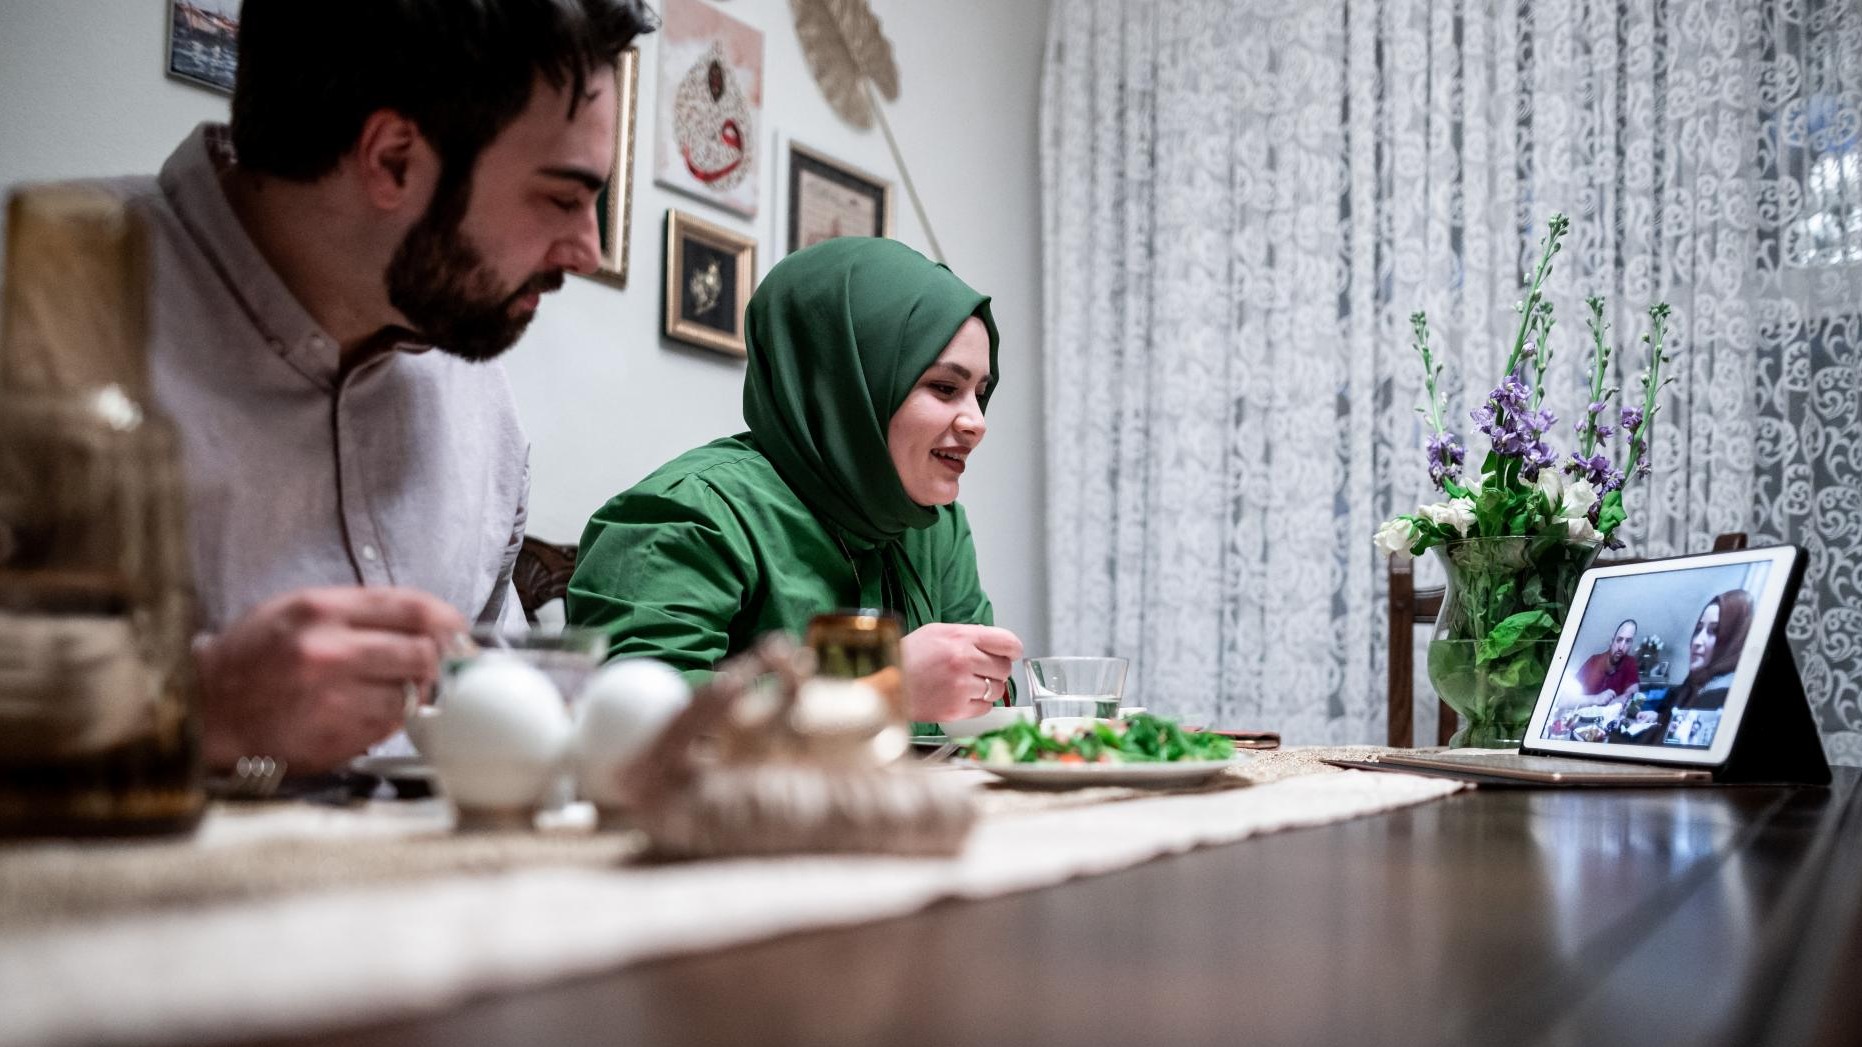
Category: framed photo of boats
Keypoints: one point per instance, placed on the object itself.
(203, 42)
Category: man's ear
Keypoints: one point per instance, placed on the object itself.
(394, 161)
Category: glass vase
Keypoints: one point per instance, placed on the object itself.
(1498, 628)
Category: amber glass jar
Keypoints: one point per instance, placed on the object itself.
(98, 729)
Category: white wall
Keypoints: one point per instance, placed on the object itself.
(82, 93)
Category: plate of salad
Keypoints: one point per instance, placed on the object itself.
(1139, 750)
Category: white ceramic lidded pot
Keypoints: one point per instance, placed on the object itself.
(497, 740)
(623, 710)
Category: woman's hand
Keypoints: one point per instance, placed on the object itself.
(955, 671)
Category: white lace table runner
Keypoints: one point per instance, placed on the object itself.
(312, 951)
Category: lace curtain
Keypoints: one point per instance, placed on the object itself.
(1244, 201)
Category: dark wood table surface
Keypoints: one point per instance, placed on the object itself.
(1727, 915)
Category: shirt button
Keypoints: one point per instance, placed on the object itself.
(369, 553)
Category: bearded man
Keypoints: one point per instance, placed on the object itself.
(401, 182)
(1611, 675)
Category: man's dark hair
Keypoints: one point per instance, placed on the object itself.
(1631, 622)
(310, 73)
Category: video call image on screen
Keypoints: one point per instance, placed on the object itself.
(1655, 655)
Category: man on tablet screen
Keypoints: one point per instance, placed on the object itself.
(1611, 675)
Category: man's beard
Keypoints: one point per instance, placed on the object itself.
(439, 281)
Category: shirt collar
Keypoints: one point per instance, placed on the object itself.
(191, 182)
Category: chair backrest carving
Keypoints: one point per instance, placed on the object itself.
(541, 574)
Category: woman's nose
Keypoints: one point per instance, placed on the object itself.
(970, 420)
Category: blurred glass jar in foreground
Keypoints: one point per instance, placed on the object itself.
(98, 732)
(853, 710)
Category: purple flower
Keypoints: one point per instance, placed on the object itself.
(1598, 469)
(1596, 407)
(1515, 430)
(1538, 456)
(1632, 418)
(1445, 458)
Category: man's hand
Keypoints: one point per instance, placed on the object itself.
(955, 671)
(316, 676)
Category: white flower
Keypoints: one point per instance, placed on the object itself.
(1395, 537)
(1464, 514)
(1456, 514)
(1579, 529)
(1551, 483)
(1579, 497)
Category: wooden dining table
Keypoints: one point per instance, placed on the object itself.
(1718, 915)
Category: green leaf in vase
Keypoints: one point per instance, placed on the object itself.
(1519, 668)
(1533, 593)
(1503, 595)
(1516, 632)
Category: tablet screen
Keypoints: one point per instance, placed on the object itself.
(1660, 655)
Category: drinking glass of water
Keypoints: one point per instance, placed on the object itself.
(567, 656)
(1076, 688)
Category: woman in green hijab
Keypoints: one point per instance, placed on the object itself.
(869, 370)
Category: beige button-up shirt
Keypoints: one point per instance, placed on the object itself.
(409, 470)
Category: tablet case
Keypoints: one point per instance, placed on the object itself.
(1777, 739)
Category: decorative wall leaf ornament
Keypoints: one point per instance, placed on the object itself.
(853, 64)
(845, 48)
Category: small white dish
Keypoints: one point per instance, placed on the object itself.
(993, 720)
(1047, 775)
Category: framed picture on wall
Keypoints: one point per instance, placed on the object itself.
(827, 198)
(710, 106)
(710, 272)
(614, 205)
(203, 42)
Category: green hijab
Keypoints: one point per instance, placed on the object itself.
(838, 335)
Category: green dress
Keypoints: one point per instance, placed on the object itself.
(805, 513)
(713, 550)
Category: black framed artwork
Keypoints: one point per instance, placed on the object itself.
(709, 274)
(828, 198)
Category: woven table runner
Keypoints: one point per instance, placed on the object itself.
(295, 919)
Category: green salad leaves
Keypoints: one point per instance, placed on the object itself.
(1138, 739)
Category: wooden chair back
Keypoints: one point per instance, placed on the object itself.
(1410, 607)
(542, 574)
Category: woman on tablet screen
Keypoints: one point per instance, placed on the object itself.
(1689, 713)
